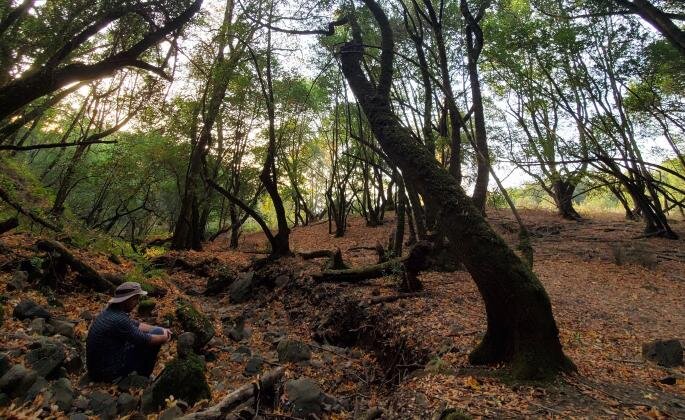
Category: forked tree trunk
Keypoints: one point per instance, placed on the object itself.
(563, 197)
(521, 328)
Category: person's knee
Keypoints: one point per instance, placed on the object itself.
(157, 331)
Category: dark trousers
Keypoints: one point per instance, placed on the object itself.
(142, 359)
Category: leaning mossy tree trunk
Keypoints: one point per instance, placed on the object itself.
(521, 329)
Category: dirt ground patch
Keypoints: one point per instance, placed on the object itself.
(604, 311)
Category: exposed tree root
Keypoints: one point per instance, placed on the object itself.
(392, 298)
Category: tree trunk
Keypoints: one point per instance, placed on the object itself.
(521, 327)
(563, 198)
(189, 228)
(659, 20)
(65, 185)
(235, 227)
(474, 45)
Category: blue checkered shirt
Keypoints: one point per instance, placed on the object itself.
(111, 336)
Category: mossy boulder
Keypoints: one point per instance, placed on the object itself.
(184, 378)
(293, 351)
(196, 322)
(240, 290)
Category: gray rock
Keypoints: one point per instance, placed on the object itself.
(293, 351)
(87, 316)
(37, 388)
(184, 344)
(668, 353)
(19, 281)
(244, 350)
(47, 357)
(81, 403)
(62, 394)
(28, 309)
(5, 399)
(305, 396)
(126, 403)
(37, 326)
(5, 364)
(254, 366)
(220, 282)
(78, 416)
(132, 381)
(171, 413)
(103, 405)
(241, 290)
(238, 357)
(274, 337)
(282, 280)
(235, 330)
(17, 381)
(64, 328)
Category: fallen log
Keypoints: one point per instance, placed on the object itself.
(358, 274)
(8, 225)
(230, 402)
(408, 267)
(87, 273)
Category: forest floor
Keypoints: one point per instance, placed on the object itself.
(605, 312)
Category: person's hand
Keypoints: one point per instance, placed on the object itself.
(167, 334)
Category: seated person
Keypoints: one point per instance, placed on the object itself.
(116, 344)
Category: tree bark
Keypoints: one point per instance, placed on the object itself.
(521, 327)
(188, 233)
(474, 46)
(563, 197)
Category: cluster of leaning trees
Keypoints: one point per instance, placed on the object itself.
(427, 175)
